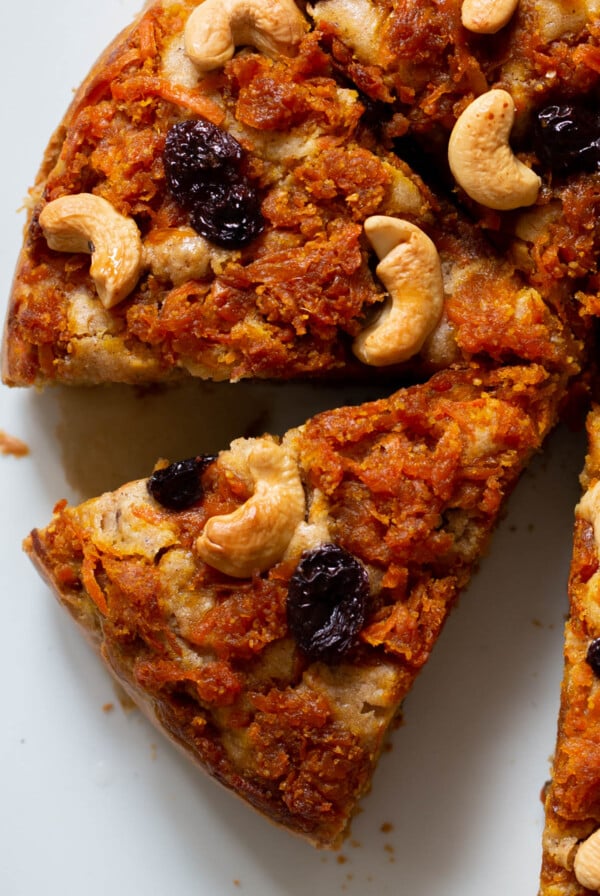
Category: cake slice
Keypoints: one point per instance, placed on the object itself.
(241, 215)
(269, 608)
(571, 865)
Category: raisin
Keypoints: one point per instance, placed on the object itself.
(179, 485)
(228, 214)
(196, 152)
(204, 171)
(593, 656)
(567, 137)
(327, 600)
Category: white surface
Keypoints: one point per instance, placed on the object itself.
(94, 802)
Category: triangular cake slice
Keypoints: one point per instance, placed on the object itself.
(270, 607)
(223, 216)
(571, 857)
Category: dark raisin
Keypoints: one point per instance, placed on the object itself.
(567, 137)
(204, 171)
(593, 656)
(327, 600)
(228, 214)
(196, 152)
(179, 485)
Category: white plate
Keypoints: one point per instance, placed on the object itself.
(93, 801)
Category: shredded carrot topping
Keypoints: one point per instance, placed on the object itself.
(140, 86)
(88, 577)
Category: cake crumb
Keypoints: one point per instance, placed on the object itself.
(12, 445)
(342, 859)
(108, 707)
(387, 827)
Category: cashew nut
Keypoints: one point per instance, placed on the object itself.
(257, 534)
(487, 16)
(587, 862)
(411, 271)
(481, 158)
(216, 27)
(87, 223)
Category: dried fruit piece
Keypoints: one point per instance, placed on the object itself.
(593, 656)
(204, 172)
(228, 214)
(327, 601)
(567, 137)
(197, 151)
(179, 485)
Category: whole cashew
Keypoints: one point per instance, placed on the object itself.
(257, 534)
(481, 158)
(587, 862)
(87, 223)
(216, 27)
(487, 16)
(411, 271)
